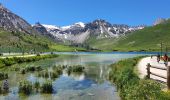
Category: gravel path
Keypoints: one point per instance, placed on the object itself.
(143, 72)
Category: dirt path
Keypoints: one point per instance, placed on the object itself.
(142, 68)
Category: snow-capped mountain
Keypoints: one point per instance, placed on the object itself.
(80, 32)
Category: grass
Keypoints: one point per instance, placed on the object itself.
(130, 86)
(147, 39)
(23, 42)
(47, 87)
(63, 48)
(58, 70)
(30, 69)
(10, 61)
(26, 87)
(75, 69)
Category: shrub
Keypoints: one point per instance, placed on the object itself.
(8, 61)
(3, 76)
(1, 54)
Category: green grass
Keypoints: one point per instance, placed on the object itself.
(147, 39)
(130, 86)
(19, 42)
(102, 44)
(14, 60)
(63, 48)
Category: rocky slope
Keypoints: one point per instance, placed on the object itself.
(11, 22)
(80, 32)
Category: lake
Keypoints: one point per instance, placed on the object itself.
(90, 85)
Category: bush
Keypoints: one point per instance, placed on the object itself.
(23, 71)
(1, 54)
(8, 61)
(25, 87)
(47, 87)
(3, 76)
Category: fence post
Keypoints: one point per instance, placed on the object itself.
(148, 70)
(168, 77)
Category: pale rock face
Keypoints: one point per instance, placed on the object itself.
(77, 33)
(159, 21)
(80, 32)
(11, 22)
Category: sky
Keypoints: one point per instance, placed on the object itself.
(66, 12)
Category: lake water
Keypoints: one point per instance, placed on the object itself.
(91, 85)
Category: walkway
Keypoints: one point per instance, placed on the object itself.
(142, 68)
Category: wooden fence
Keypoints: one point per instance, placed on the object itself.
(166, 69)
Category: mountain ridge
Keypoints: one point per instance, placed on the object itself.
(97, 29)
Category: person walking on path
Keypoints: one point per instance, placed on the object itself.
(165, 58)
(158, 58)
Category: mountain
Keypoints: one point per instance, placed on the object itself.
(159, 21)
(11, 22)
(82, 32)
(147, 39)
(17, 35)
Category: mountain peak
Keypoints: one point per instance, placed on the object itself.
(12, 22)
(81, 24)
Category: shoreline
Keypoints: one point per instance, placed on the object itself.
(8, 61)
(130, 86)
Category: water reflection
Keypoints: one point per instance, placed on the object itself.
(90, 85)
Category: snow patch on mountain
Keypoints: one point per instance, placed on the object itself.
(80, 32)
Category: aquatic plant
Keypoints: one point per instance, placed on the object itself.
(22, 71)
(37, 85)
(25, 87)
(58, 69)
(47, 87)
(46, 74)
(75, 68)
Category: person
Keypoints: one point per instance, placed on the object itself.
(5, 85)
(158, 57)
(166, 59)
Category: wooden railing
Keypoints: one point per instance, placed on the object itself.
(151, 73)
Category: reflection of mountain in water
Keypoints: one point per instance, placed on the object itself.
(97, 73)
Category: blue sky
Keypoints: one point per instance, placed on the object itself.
(65, 12)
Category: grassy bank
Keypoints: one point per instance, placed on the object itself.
(130, 86)
(14, 60)
(147, 39)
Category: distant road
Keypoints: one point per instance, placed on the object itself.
(20, 55)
